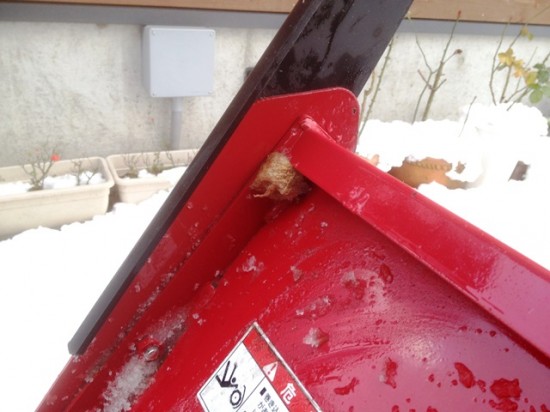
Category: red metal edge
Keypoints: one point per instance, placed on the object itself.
(511, 287)
(209, 221)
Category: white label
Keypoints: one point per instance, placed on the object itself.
(254, 378)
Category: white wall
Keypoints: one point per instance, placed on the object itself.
(77, 86)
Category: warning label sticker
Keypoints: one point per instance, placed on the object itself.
(255, 378)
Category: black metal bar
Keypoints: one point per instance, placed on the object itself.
(323, 43)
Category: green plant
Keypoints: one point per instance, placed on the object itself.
(531, 80)
(41, 161)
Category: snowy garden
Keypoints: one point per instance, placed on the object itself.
(497, 152)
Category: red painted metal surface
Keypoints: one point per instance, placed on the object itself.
(412, 308)
(497, 278)
(397, 336)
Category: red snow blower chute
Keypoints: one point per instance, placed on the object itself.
(286, 273)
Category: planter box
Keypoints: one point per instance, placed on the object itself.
(134, 190)
(52, 207)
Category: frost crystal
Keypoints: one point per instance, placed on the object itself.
(315, 338)
(252, 265)
(296, 273)
(129, 383)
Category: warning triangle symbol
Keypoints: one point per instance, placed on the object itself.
(270, 370)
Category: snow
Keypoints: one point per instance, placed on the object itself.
(315, 338)
(489, 141)
(172, 175)
(12, 188)
(53, 182)
(51, 278)
(85, 178)
(128, 384)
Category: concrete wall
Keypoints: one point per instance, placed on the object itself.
(466, 74)
(77, 86)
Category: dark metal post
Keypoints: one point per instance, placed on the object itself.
(323, 43)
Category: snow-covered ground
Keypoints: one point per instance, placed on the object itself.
(51, 278)
(489, 141)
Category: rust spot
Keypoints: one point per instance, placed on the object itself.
(278, 180)
(482, 385)
(504, 388)
(385, 273)
(505, 405)
(465, 375)
(391, 373)
(345, 390)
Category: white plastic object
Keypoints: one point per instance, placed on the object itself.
(178, 61)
